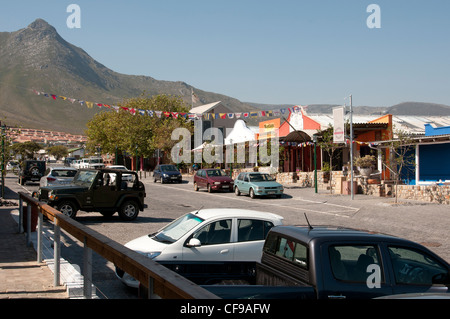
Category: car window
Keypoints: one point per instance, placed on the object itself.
(350, 262)
(252, 229)
(413, 267)
(218, 232)
(216, 172)
(288, 249)
(64, 173)
(241, 177)
(177, 228)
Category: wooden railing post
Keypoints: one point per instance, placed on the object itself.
(87, 271)
(57, 253)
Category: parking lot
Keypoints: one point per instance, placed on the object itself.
(421, 222)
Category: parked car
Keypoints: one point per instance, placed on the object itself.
(58, 176)
(207, 243)
(167, 173)
(12, 165)
(75, 164)
(125, 177)
(31, 170)
(213, 179)
(257, 184)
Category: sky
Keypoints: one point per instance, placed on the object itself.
(273, 52)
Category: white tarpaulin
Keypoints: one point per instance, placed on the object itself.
(240, 133)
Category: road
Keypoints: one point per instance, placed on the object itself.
(421, 222)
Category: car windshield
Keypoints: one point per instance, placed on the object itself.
(260, 178)
(169, 168)
(85, 177)
(175, 230)
(216, 172)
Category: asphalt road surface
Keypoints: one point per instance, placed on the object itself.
(421, 222)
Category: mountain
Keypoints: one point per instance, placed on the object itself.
(38, 58)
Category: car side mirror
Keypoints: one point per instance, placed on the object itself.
(194, 242)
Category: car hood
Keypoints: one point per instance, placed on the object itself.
(171, 173)
(146, 244)
(65, 189)
(220, 178)
(266, 184)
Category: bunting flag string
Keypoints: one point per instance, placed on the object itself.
(176, 115)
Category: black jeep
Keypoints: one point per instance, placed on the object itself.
(98, 190)
(31, 170)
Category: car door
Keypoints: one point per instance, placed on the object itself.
(245, 184)
(416, 271)
(216, 245)
(251, 234)
(104, 192)
(201, 178)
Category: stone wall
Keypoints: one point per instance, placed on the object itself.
(339, 185)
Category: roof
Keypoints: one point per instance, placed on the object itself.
(305, 234)
(204, 108)
(234, 213)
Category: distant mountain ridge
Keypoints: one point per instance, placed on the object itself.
(37, 57)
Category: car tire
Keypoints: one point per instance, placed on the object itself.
(68, 208)
(195, 187)
(129, 210)
(237, 192)
(209, 188)
(252, 193)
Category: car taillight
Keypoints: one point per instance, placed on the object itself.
(51, 179)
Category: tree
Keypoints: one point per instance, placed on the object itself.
(131, 133)
(327, 145)
(58, 151)
(26, 149)
(401, 155)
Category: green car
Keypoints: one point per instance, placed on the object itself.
(257, 184)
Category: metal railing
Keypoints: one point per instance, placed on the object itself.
(156, 278)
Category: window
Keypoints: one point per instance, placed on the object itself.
(215, 233)
(250, 229)
(287, 249)
(350, 262)
(414, 267)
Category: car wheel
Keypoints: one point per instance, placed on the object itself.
(252, 193)
(237, 192)
(209, 188)
(195, 187)
(21, 181)
(129, 210)
(68, 208)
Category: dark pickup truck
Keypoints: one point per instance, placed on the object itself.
(340, 263)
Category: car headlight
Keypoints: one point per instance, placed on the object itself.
(165, 175)
(152, 254)
(260, 188)
(216, 183)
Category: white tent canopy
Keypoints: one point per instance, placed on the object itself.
(240, 133)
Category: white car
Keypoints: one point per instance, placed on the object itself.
(57, 176)
(203, 243)
(125, 177)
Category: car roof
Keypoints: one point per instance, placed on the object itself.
(63, 168)
(307, 233)
(212, 213)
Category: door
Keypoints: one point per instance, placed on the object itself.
(416, 271)
(216, 245)
(243, 183)
(105, 194)
(251, 234)
(353, 271)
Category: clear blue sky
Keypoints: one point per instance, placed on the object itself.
(274, 52)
